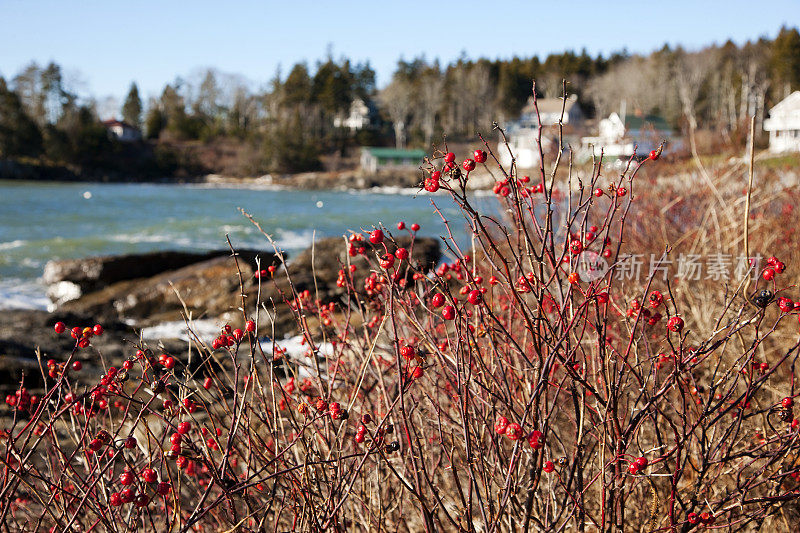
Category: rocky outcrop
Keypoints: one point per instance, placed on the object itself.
(93, 273)
(207, 288)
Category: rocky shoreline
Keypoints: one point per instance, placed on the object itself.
(129, 292)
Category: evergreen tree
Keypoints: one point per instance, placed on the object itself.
(154, 122)
(19, 135)
(132, 108)
(785, 62)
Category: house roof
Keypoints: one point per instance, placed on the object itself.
(395, 153)
(550, 105)
(637, 122)
(115, 122)
(788, 104)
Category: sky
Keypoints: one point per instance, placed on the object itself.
(105, 45)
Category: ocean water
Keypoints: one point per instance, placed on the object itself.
(40, 221)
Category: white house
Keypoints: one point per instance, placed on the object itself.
(619, 136)
(523, 132)
(783, 125)
(358, 118)
(122, 131)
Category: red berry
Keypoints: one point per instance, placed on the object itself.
(500, 425)
(130, 443)
(376, 237)
(238, 334)
(535, 440)
(431, 185)
(401, 253)
(414, 227)
(449, 312)
(417, 372)
(598, 192)
(787, 402)
(126, 478)
(641, 462)
(76, 366)
(207, 383)
(675, 324)
(469, 165)
(474, 297)
(387, 261)
(169, 363)
(142, 500)
(514, 431)
(768, 274)
(479, 156)
(437, 300)
(653, 155)
(250, 326)
(407, 352)
(60, 327)
(549, 466)
(656, 298)
(149, 475)
(163, 488)
(401, 226)
(184, 427)
(622, 191)
(449, 157)
(97, 329)
(115, 499)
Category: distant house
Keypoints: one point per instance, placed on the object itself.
(523, 132)
(359, 116)
(550, 111)
(618, 136)
(122, 131)
(783, 125)
(374, 159)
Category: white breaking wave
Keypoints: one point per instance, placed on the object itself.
(22, 294)
(13, 244)
(293, 240)
(206, 329)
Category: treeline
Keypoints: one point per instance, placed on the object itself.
(294, 121)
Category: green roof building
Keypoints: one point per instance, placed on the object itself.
(374, 159)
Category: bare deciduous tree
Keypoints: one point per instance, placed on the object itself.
(397, 99)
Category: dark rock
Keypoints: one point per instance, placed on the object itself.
(94, 273)
(23, 333)
(208, 288)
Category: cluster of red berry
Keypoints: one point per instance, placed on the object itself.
(81, 335)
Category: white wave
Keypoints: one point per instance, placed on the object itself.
(206, 329)
(13, 244)
(23, 294)
(138, 238)
(294, 240)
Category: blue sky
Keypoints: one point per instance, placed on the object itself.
(107, 44)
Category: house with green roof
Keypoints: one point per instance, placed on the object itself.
(375, 159)
(619, 135)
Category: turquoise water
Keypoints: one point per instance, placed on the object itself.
(44, 221)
